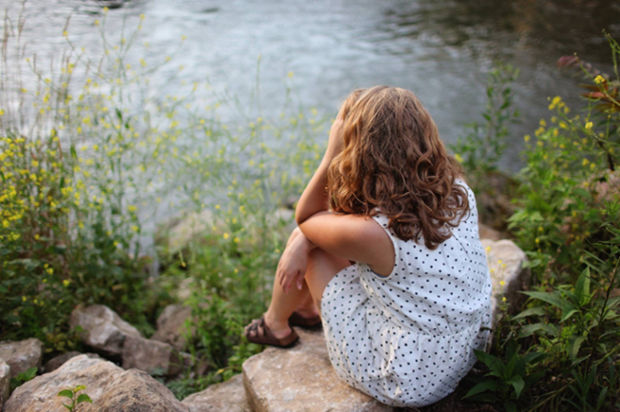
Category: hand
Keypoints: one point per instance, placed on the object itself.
(294, 261)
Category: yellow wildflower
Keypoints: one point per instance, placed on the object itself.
(599, 79)
(588, 125)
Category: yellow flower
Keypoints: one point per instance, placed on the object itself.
(588, 125)
(132, 208)
(502, 283)
(527, 138)
(66, 282)
(585, 162)
(50, 271)
(1, 112)
(504, 299)
(458, 158)
(225, 235)
(599, 79)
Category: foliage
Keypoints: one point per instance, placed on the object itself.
(23, 377)
(507, 378)
(482, 148)
(567, 221)
(74, 401)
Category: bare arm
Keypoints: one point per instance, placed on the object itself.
(353, 237)
(314, 198)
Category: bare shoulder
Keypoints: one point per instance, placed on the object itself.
(354, 237)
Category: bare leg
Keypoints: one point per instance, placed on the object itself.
(282, 305)
(322, 267)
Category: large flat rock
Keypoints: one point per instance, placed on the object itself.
(301, 379)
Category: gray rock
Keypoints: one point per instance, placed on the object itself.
(227, 396)
(508, 274)
(102, 328)
(110, 387)
(21, 355)
(301, 379)
(172, 326)
(57, 361)
(5, 380)
(154, 357)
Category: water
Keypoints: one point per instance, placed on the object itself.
(442, 49)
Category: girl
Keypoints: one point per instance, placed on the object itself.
(387, 248)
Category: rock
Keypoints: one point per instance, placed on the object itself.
(5, 380)
(227, 396)
(487, 232)
(57, 361)
(180, 234)
(171, 326)
(102, 328)
(21, 355)
(135, 390)
(110, 387)
(154, 357)
(301, 379)
(508, 275)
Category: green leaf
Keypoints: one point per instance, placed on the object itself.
(79, 388)
(529, 330)
(574, 347)
(84, 398)
(518, 384)
(535, 311)
(494, 363)
(484, 386)
(68, 393)
(553, 298)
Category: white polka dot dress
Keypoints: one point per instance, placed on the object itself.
(407, 339)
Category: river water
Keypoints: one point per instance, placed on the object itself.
(322, 49)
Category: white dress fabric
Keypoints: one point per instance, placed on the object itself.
(408, 339)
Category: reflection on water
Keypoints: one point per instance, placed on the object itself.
(440, 49)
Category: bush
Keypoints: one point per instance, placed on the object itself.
(568, 222)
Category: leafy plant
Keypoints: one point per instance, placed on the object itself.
(23, 377)
(482, 148)
(507, 378)
(74, 398)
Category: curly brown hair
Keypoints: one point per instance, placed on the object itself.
(394, 163)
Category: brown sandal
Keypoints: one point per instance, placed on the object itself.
(258, 332)
(313, 322)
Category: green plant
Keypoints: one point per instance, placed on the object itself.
(23, 377)
(481, 149)
(507, 378)
(74, 398)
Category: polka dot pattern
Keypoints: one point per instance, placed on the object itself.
(407, 339)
